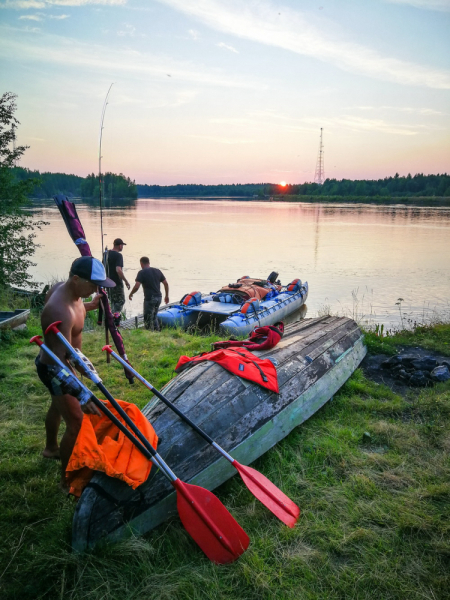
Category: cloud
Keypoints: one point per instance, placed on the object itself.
(361, 124)
(263, 22)
(442, 5)
(25, 4)
(30, 18)
(128, 30)
(405, 109)
(58, 17)
(222, 45)
(118, 61)
(193, 34)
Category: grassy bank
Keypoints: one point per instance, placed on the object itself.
(370, 471)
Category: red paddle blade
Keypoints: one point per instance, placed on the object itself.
(268, 493)
(209, 523)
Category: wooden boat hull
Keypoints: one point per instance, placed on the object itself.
(315, 358)
(12, 319)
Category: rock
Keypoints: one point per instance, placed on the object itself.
(418, 379)
(393, 361)
(425, 364)
(441, 373)
(403, 375)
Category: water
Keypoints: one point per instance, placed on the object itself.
(358, 260)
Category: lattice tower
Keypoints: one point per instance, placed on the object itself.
(319, 175)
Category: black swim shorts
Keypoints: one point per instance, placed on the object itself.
(47, 374)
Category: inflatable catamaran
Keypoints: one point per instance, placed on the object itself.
(237, 308)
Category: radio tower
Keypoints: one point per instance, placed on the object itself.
(319, 176)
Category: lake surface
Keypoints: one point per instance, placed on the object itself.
(359, 260)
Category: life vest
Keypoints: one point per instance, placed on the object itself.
(261, 338)
(101, 446)
(240, 362)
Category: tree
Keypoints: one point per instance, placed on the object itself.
(16, 225)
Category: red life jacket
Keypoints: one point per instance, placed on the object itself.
(239, 362)
(261, 338)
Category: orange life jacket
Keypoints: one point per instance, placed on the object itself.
(100, 446)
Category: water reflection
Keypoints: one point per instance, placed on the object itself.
(358, 260)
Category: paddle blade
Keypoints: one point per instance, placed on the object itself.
(268, 493)
(210, 524)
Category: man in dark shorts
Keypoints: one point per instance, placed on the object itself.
(64, 303)
(114, 269)
(151, 280)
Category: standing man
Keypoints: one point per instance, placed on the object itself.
(151, 280)
(64, 303)
(114, 268)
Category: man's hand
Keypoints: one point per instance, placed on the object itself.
(93, 304)
(90, 409)
(127, 284)
(166, 299)
(130, 297)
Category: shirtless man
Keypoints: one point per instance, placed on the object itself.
(64, 303)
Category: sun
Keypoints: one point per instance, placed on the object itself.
(283, 183)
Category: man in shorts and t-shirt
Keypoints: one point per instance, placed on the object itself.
(114, 267)
(151, 280)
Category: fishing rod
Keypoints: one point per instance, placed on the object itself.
(100, 177)
(100, 188)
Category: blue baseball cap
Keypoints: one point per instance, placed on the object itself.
(91, 269)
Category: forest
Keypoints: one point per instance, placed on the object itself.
(409, 186)
(115, 187)
(118, 187)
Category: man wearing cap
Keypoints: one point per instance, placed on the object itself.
(64, 303)
(114, 266)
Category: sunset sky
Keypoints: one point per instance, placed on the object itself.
(230, 91)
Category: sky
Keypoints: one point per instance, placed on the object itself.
(230, 91)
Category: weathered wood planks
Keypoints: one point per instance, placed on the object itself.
(315, 358)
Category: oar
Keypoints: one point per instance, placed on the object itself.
(263, 489)
(204, 517)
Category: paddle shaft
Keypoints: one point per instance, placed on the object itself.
(168, 403)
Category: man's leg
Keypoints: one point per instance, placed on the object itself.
(52, 422)
(117, 303)
(69, 409)
(156, 324)
(148, 314)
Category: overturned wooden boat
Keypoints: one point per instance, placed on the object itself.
(314, 359)
(10, 319)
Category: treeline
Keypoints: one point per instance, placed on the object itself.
(192, 189)
(396, 187)
(118, 187)
(115, 187)
(49, 184)
(417, 185)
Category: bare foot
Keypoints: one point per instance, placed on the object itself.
(47, 453)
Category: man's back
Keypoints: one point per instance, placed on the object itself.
(115, 259)
(151, 279)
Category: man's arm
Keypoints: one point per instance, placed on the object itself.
(93, 304)
(137, 285)
(121, 275)
(166, 287)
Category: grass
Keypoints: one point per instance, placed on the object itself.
(370, 471)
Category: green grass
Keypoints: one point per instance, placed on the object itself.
(370, 472)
